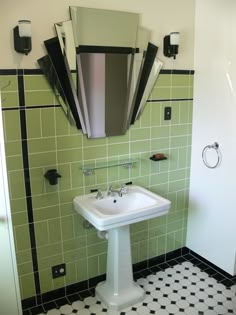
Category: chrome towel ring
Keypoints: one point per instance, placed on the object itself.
(214, 146)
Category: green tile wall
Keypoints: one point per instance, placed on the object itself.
(53, 143)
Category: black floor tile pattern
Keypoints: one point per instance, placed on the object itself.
(176, 288)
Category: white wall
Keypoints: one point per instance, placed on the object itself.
(161, 16)
(212, 216)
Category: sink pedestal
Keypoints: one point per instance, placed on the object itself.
(119, 290)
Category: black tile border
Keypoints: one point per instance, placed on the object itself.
(42, 106)
(159, 100)
(39, 71)
(27, 183)
(8, 71)
(29, 107)
(32, 71)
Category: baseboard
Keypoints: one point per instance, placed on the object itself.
(86, 288)
(91, 283)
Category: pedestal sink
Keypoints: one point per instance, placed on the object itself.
(114, 214)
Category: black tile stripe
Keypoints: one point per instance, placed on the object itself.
(165, 71)
(8, 71)
(29, 107)
(42, 106)
(39, 71)
(53, 106)
(5, 109)
(28, 187)
(170, 100)
(33, 71)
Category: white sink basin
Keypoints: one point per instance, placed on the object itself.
(114, 211)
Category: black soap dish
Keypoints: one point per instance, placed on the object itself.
(158, 157)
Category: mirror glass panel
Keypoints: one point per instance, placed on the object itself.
(96, 27)
(66, 39)
(104, 67)
(50, 73)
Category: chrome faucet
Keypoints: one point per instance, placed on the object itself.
(120, 192)
(123, 190)
(99, 195)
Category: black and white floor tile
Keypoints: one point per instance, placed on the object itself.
(179, 288)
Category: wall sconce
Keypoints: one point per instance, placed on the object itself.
(171, 45)
(22, 37)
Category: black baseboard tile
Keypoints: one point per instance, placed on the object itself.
(185, 250)
(39, 299)
(156, 260)
(53, 295)
(137, 275)
(94, 281)
(77, 287)
(28, 303)
(163, 266)
(174, 254)
(140, 266)
(37, 310)
(86, 293)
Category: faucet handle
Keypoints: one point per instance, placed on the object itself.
(123, 189)
(110, 189)
(99, 194)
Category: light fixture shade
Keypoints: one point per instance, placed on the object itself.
(171, 45)
(22, 37)
(24, 28)
(174, 38)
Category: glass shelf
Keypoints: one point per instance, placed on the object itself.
(88, 169)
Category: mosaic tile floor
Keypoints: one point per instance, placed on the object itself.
(182, 288)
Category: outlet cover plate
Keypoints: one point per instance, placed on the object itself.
(58, 271)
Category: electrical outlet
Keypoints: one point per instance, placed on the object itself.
(58, 271)
(167, 113)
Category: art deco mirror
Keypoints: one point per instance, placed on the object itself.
(103, 68)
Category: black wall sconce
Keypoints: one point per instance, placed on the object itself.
(171, 45)
(22, 37)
